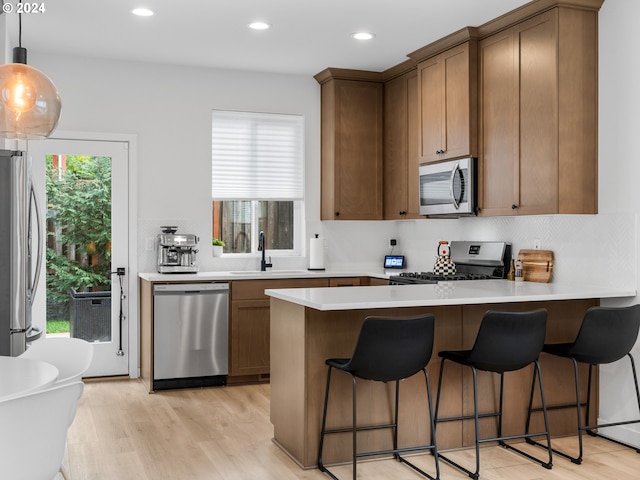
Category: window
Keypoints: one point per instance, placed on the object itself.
(257, 178)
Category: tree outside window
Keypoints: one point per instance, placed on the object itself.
(78, 225)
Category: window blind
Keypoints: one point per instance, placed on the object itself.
(257, 156)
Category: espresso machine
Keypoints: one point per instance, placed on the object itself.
(176, 252)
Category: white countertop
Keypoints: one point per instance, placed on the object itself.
(257, 275)
(443, 293)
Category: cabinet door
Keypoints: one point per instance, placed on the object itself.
(431, 109)
(519, 119)
(250, 337)
(537, 41)
(499, 138)
(250, 327)
(401, 144)
(459, 103)
(352, 121)
(448, 104)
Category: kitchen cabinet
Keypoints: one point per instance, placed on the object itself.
(448, 100)
(401, 147)
(351, 145)
(345, 282)
(538, 116)
(373, 281)
(249, 327)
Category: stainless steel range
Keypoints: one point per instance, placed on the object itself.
(473, 260)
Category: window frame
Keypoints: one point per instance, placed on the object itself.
(298, 205)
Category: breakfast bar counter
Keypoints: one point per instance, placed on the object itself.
(309, 325)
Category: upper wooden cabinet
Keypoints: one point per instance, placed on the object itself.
(538, 115)
(351, 143)
(447, 98)
(401, 145)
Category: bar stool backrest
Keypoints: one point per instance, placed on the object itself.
(392, 348)
(508, 341)
(607, 334)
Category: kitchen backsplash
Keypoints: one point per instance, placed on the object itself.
(595, 249)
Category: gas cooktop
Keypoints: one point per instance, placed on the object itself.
(430, 277)
(474, 261)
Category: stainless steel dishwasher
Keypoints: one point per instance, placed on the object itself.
(190, 335)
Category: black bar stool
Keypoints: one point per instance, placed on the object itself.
(607, 334)
(506, 341)
(387, 349)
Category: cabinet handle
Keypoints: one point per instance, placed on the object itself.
(514, 206)
(337, 214)
(438, 152)
(402, 212)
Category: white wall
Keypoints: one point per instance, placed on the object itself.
(619, 175)
(169, 109)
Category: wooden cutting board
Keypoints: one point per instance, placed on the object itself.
(537, 265)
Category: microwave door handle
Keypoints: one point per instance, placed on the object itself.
(451, 181)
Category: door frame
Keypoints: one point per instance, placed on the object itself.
(132, 285)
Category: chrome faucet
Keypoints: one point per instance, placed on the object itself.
(262, 247)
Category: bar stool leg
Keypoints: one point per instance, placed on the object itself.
(578, 460)
(501, 442)
(476, 423)
(395, 424)
(590, 429)
(529, 436)
(537, 370)
(355, 436)
(323, 427)
(433, 425)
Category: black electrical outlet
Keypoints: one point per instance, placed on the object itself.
(393, 242)
(120, 271)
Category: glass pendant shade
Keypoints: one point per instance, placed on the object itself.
(29, 101)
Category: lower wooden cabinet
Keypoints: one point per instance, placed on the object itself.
(249, 325)
(345, 282)
(249, 337)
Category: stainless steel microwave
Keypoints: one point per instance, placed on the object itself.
(449, 188)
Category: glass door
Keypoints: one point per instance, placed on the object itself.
(86, 269)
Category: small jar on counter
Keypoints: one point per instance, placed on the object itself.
(519, 275)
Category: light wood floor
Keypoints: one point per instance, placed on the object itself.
(121, 432)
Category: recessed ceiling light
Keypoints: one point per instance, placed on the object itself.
(362, 35)
(259, 25)
(143, 12)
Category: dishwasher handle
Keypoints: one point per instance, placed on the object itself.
(190, 288)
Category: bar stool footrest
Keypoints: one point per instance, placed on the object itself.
(548, 465)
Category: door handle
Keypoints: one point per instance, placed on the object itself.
(456, 204)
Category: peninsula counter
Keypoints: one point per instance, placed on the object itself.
(309, 325)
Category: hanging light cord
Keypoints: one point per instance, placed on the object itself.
(20, 27)
(19, 53)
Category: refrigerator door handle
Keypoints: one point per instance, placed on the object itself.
(34, 285)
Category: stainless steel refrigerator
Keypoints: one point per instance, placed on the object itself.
(20, 264)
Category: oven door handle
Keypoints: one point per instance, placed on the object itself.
(456, 169)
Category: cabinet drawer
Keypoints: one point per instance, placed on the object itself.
(345, 282)
(254, 289)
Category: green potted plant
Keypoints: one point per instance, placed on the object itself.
(218, 245)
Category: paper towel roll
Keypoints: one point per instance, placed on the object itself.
(316, 253)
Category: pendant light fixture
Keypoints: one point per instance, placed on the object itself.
(29, 101)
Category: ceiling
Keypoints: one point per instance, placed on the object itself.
(306, 36)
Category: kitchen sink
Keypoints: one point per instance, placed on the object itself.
(268, 272)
